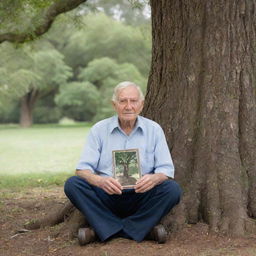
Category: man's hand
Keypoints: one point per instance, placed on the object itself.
(149, 181)
(109, 185)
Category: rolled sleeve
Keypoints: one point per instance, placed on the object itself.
(91, 153)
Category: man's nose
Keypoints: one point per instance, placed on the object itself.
(128, 105)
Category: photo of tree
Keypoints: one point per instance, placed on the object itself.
(126, 167)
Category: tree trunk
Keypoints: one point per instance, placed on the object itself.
(126, 170)
(202, 91)
(26, 108)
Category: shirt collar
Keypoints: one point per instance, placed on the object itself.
(115, 124)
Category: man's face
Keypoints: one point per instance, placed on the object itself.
(128, 105)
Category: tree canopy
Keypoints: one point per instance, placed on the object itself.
(25, 20)
(66, 54)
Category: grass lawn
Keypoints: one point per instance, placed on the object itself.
(40, 155)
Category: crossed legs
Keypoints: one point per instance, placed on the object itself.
(129, 215)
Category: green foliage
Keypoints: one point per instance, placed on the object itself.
(35, 67)
(46, 110)
(50, 65)
(125, 158)
(99, 70)
(122, 43)
(101, 51)
(126, 162)
(19, 16)
(78, 100)
(16, 73)
(106, 73)
(9, 111)
(45, 114)
(25, 68)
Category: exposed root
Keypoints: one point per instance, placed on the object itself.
(54, 218)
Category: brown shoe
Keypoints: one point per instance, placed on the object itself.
(86, 236)
(158, 233)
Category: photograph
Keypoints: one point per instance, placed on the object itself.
(126, 167)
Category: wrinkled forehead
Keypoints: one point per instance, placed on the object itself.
(129, 92)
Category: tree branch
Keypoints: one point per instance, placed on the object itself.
(58, 7)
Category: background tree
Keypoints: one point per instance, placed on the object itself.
(16, 73)
(78, 100)
(104, 73)
(122, 43)
(31, 74)
(15, 79)
(77, 43)
(52, 70)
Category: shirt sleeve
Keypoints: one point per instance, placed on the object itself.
(163, 159)
(91, 153)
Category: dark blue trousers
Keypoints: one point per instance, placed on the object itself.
(129, 214)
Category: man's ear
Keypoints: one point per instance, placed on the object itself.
(113, 104)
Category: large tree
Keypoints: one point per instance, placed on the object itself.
(202, 91)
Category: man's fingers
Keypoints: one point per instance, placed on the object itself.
(110, 190)
(113, 187)
(116, 188)
(110, 185)
(116, 184)
(144, 188)
(144, 184)
(142, 179)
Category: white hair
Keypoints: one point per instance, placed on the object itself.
(123, 85)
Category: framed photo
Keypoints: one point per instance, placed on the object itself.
(126, 167)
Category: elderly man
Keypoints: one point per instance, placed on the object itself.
(111, 210)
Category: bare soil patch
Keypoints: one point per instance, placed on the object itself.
(19, 207)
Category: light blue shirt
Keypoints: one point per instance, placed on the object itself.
(106, 136)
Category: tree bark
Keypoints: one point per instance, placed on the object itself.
(126, 170)
(50, 14)
(202, 91)
(26, 108)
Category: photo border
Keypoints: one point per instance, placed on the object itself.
(136, 150)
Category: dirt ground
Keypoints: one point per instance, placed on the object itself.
(17, 208)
